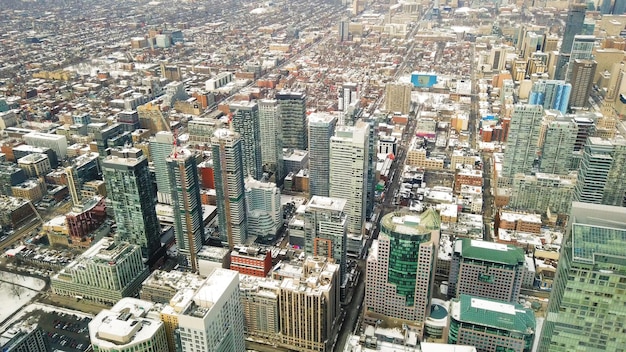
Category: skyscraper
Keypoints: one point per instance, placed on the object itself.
(246, 123)
(230, 187)
(293, 118)
(583, 72)
(130, 190)
(265, 213)
(188, 227)
(325, 230)
(271, 138)
(398, 97)
(573, 27)
(161, 146)
(558, 147)
(349, 150)
(602, 172)
(523, 141)
(586, 306)
(582, 49)
(401, 269)
(486, 269)
(321, 129)
(551, 94)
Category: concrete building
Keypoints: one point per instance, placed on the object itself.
(398, 97)
(131, 325)
(325, 230)
(586, 303)
(260, 301)
(56, 142)
(271, 138)
(35, 165)
(583, 72)
(104, 273)
(188, 227)
(24, 336)
(602, 171)
(161, 146)
(211, 319)
(252, 261)
(321, 130)
(230, 187)
(245, 121)
(349, 156)
(551, 94)
(293, 117)
(558, 147)
(491, 325)
(130, 192)
(486, 269)
(522, 146)
(162, 286)
(265, 213)
(539, 192)
(573, 27)
(401, 270)
(582, 49)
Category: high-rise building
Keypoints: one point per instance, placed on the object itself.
(398, 97)
(536, 193)
(271, 138)
(586, 306)
(24, 336)
(212, 319)
(344, 30)
(293, 118)
(585, 127)
(265, 213)
(551, 94)
(491, 325)
(161, 146)
(602, 172)
(131, 325)
(246, 123)
(130, 190)
(582, 49)
(573, 27)
(325, 230)
(230, 187)
(259, 298)
(558, 147)
(401, 269)
(348, 178)
(188, 228)
(321, 129)
(522, 145)
(104, 273)
(486, 269)
(583, 73)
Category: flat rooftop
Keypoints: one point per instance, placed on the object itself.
(495, 314)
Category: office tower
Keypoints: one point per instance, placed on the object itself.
(558, 147)
(24, 336)
(293, 119)
(370, 198)
(582, 49)
(188, 227)
(586, 306)
(212, 320)
(265, 213)
(486, 269)
(582, 73)
(522, 145)
(321, 129)
(585, 128)
(245, 121)
(398, 97)
(349, 150)
(573, 27)
(271, 138)
(550, 43)
(551, 94)
(130, 190)
(606, 6)
(259, 299)
(325, 228)
(230, 187)
(130, 325)
(532, 43)
(602, 172)
(491, 325)
(348, 103)
(161, 146)
(401, 269)
(309, 307)
(104, 273)
(344, 30)
(536, 193)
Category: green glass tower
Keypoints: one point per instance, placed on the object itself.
(400, 269)
(587, 304)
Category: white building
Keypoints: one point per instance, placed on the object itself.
(130, 326)
(56, 142)
(265, 214)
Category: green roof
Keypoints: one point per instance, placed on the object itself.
(490, 251)
(494, 314)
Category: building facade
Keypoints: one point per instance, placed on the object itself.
(271, 138)
(602, 171)
(161, 146)
(245, 121)
(293, 118)
(522, 146)
(265, 213)
(321, 130)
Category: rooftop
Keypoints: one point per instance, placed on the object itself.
(597, 229)
(489, 251)
(492, 313)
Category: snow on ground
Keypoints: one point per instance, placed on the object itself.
(16, 291)
(45, 308)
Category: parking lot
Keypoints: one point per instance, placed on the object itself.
(65, 332)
